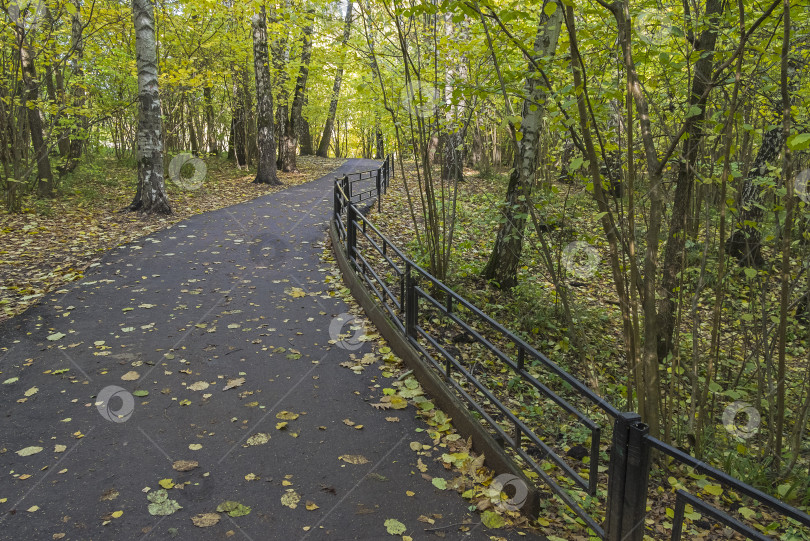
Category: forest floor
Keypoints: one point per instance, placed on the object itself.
(53, 242)
(533, 312)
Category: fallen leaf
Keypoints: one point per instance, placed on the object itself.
(236, 382)
(392, 419)
(56, 336)
(354, 459)
(166, 483)
(130, 376)
(491, 519)
(117, 514)
(33, 508)
(28, 451)
(195, 446)
(184, 465)
(32, 391)
(290, 498)
(394, 527)
(287, 416)
(140, 393)
(161, 504)
(311, 506)
(233, 509)
(204, 520)
(260, 438)
(198, 386)
(439, 483)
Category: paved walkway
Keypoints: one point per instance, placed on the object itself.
(236, 298)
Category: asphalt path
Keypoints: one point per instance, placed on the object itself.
(224, 320)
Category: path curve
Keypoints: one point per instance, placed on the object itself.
(179, 314)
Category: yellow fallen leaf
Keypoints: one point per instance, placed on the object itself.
(290, 498)
(410, 493)
(195, 446)
(287, 416)
(354, 459)
(166, 483)
(117, 514)
(130, 376)
(311, 506)
(33, 508)
(281, 426)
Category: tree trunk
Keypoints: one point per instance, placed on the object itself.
(265, 138)
(79, 132)
(209, 121)
(289, 142)
(745, 241)
(45, 185)
(673, 252)
(505, 257)
(151, 195)
(326, 139)
(237, 139)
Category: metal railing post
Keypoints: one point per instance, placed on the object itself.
(379, 189)
(628, 475)
(617, 471)
(636, 481)
(351, 234)
(411, 307)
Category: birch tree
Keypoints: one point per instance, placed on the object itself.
(151, 196)
(266, 139)
(505, 257)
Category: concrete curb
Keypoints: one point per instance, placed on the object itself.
(433, 383)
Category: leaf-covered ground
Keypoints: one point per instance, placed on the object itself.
(54, 241)
(532, 311)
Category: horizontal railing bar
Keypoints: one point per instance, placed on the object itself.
(553, 367)
(555, 488)
(508, 413)
(730, 481)
(378, 279)
(505, 358)
(683, 497)
(380, 251)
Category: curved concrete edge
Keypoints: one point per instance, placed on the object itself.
(467, 425)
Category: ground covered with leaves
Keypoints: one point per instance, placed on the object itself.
(53, 242)
(532, 310)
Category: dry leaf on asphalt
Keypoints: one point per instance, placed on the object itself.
(236, 382)
(354, 459)
(184, 465)
(204, 520)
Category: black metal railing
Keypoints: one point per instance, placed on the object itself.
(426, 312)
